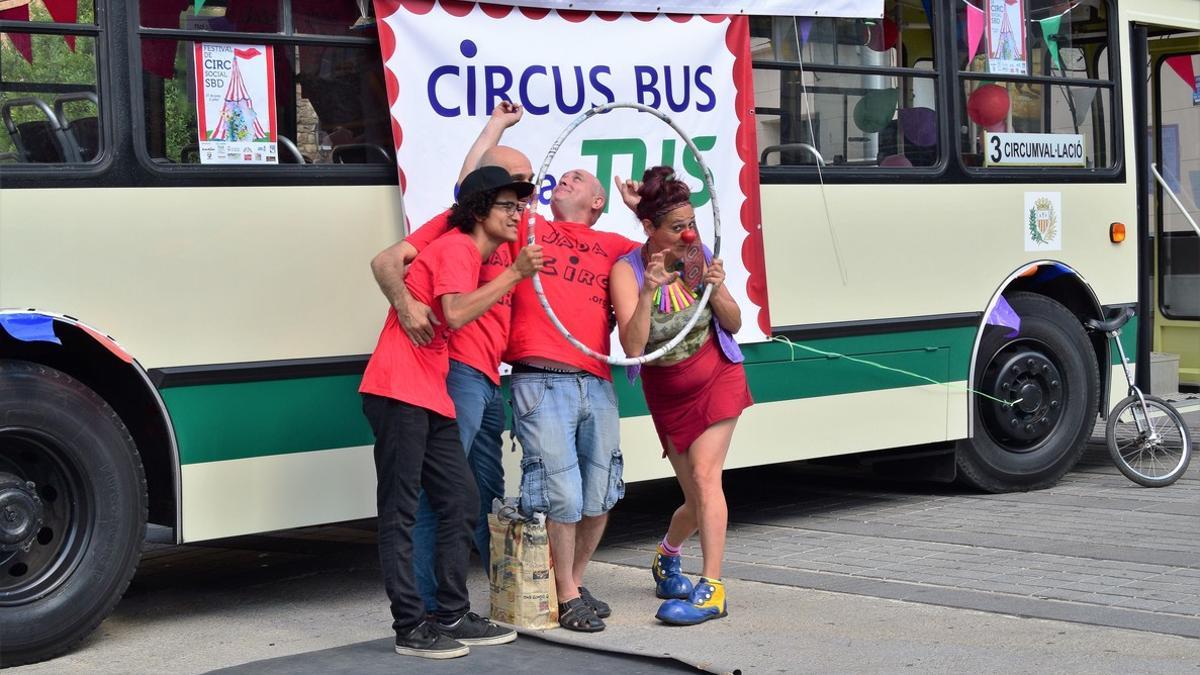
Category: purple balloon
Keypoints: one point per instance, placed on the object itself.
(920, 125)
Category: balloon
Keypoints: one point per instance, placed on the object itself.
(895, 161)
(883, 36)
(988, 105)
(919, 125)
(875, 109)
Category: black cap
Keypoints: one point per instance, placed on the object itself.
(492, 178)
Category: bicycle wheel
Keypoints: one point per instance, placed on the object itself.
(1158, 454)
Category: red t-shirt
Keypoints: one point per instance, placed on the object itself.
(575, 279)
(417, 375)
(480, 343)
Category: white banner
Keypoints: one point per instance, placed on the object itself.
(449, 65)
(867, 9)
(1034, 150)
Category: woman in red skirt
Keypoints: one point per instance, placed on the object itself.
(695, 392)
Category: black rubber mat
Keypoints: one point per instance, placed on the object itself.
(526, 655)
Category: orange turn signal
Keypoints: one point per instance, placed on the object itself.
(1116, 233)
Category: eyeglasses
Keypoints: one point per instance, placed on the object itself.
(510, 207)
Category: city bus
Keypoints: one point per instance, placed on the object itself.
(181, 339)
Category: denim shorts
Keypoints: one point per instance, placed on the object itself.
(568, 427)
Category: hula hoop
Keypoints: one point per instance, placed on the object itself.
(716, 249)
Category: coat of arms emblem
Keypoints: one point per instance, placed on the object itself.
(1043, 221)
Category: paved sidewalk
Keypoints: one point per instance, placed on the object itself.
(1096, 548)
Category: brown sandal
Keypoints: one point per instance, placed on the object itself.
(577, 615)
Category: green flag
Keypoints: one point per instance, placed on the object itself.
(198, 7)
(1050, 29)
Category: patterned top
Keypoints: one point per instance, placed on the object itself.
(666, 325)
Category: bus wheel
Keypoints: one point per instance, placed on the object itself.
(1049, 370)
(72, 511)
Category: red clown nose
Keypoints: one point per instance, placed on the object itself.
(688, 236)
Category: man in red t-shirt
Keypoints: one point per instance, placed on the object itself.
(473, 381)
(417, 445)
(564, 406)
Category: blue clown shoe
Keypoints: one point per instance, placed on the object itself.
(669, 581)
(707, 601)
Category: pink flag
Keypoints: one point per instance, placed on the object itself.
(1183, 65)
(974, 30)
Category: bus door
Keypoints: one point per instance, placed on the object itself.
(1174, 202)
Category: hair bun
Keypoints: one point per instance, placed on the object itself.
(660, 188)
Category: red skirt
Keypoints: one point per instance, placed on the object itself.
(688, 397)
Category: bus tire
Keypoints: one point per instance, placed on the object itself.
(1050, 368)
(73, 493)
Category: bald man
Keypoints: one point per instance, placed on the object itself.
(564, 406)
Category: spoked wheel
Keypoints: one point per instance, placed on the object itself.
(1153, 450)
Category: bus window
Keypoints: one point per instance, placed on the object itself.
(1178, 160)
(851, 93)
(246, 16)
(1061, 85)
(49, 101)
(331, 102)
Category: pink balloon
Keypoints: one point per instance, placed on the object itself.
(895, 161)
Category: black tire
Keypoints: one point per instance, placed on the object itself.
(1175, 451)
(91, 520)
(1050, 366)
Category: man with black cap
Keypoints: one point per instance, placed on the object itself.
(417, 444)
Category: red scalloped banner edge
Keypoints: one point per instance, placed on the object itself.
(737, 39)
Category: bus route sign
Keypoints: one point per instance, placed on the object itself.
(1034, 150)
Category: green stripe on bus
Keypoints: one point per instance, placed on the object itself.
(252, 419)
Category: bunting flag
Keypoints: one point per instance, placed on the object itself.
(64, 11)
(1083, 103)
(803, 27)
(1004, 315)
(1182, 65)
(20, 41)
(199, 6)
(29, 327)
(928, 11)
(1050, 27)
(974, 30)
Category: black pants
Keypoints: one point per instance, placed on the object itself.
(417, 449)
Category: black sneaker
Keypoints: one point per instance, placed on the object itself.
(599, 606)
(472, 629)
(427, 643)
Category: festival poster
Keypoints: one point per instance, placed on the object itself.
(1006, 41)
(235, 104)
(449, 64)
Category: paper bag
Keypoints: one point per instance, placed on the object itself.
(522, 577)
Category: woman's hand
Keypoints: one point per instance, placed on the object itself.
(629, 192)
(656, 274)
(528, 261)
(715, 274)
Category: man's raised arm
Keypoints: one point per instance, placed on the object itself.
(504, 115)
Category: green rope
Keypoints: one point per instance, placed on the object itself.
(793, 346)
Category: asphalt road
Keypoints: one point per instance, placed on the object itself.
(841, 574)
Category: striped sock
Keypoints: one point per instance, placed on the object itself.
(667, 549)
